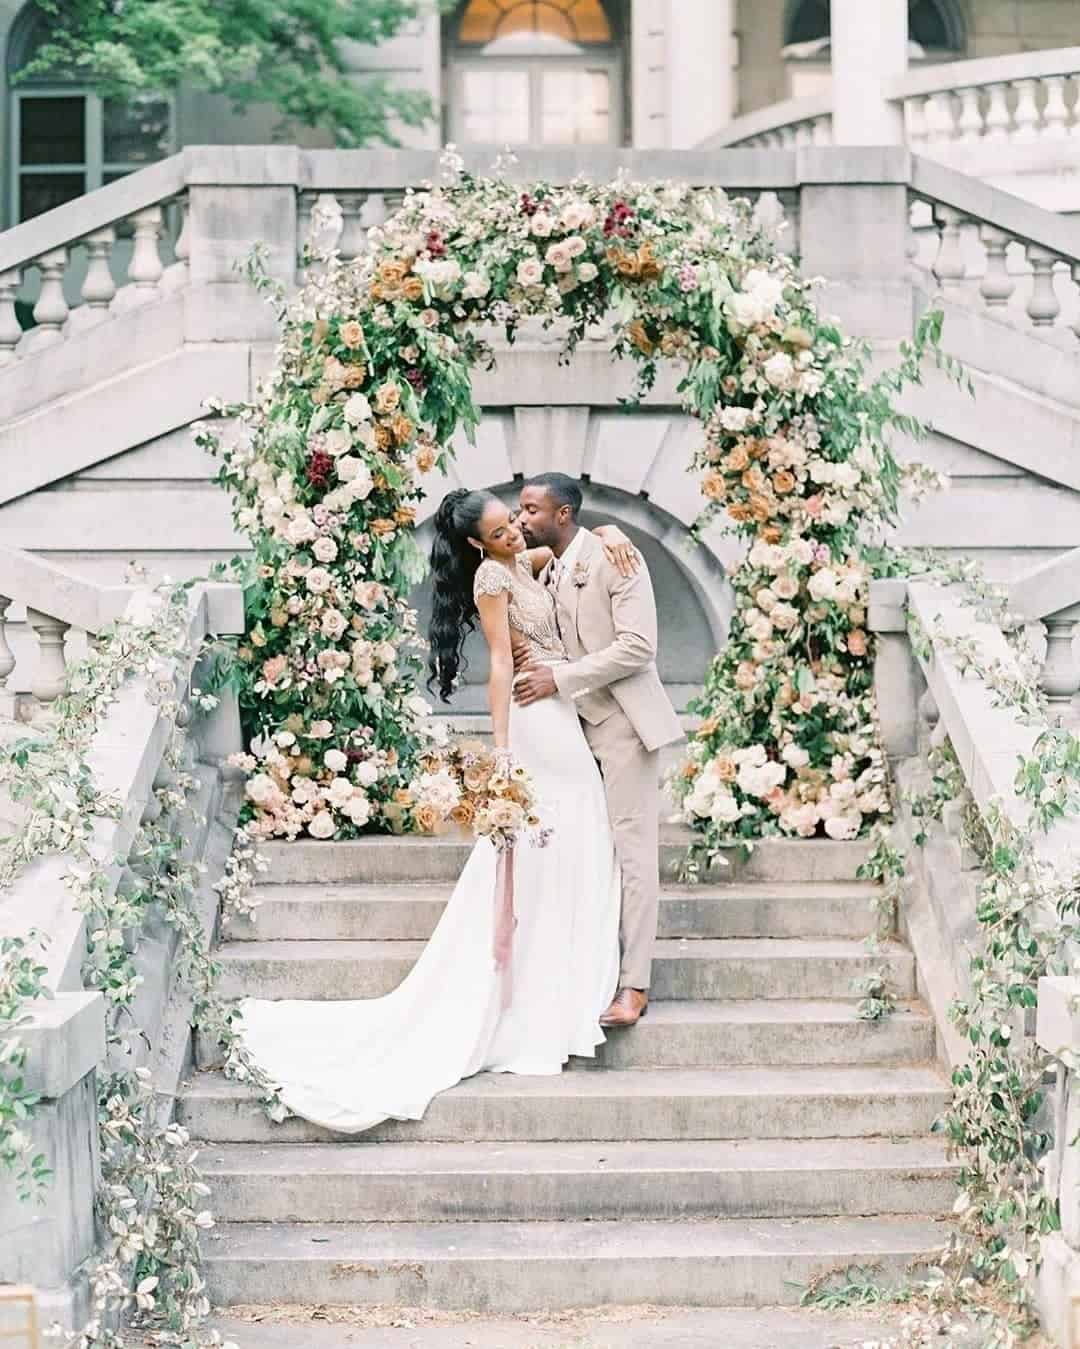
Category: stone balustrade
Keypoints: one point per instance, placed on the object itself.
(47, 1243)
(1050, 594)
(1012, 120)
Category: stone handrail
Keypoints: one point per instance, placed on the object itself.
(64, 1035)
(949, 110)
(1050, 594)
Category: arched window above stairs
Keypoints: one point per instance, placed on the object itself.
(66, 139)
(936, 26)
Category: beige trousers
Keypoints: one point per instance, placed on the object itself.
(631, 782)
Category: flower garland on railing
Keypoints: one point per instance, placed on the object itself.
(373, 380)
(152, 1198)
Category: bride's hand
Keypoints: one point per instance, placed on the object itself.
(619, 549)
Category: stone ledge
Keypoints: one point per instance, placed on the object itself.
(64, 1039)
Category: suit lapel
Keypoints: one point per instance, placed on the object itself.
(569, 593)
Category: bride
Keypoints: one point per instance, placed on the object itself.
(350, 1065)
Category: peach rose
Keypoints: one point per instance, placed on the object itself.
(814, 506)
(392, 272)
(351, 333)
(425, 458)
(737, 460)
(427, 819)
(640, 338)
(381, 528)
(783, 482)
(354, 376)
(463, 814)
(856, 642)
(412, 288)
(714, 485)
(387, 397)
(273, 669)
(727, 770)
(401, 428)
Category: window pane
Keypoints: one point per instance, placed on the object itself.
(567, 20)
(42, 191)
(495, 106)
(135, 133)
(541, 19)
(52, 130)
(575, 107)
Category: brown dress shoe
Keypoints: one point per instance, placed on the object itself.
(628, 1007)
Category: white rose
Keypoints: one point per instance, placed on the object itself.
(576, 215)
(325, 549)
(823, 584)
(735, 418)
(419, 707)
(385, 653)
(357, 409)
(337, 442)
(760, 779)
(476, 286)
(779, 370)
(843, 827)
(530, 272)
(766, 289)
(358, 809)
(367, 774)
(301, 530)
(318, 581)
(261, 789)
(795, 756)
(587, 271)
(542, 224)
(745, 310)
(284, 739)
(340, 791)
(333, 624)
(725, 809)
(558, 256)
(322, 826)
(357, 475)
(321, 730)
(699, 801)
(335, 761)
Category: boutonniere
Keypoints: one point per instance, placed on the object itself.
(580, 575)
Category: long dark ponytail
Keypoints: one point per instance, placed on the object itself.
(454, 561)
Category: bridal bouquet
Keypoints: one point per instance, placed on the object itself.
(480, 789)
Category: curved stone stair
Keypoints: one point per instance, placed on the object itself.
(750, 1134)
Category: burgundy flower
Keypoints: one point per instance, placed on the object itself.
(416, 378)
(528, 205)
(618, 219)
(435, 245)
(319, 467)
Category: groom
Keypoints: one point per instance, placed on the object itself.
(608, 625)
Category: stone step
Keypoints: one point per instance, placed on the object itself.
(737, 968)
(298, 912)
(476, 1182)
(391, 860)
(774, 1033)
(672, 1103)
(509, 1267)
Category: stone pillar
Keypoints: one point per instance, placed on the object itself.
(649, 73)
(853, 230)
(700, 65)
(869, 48)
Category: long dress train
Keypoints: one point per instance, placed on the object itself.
(349, 1065)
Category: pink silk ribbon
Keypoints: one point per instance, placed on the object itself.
(505, 922)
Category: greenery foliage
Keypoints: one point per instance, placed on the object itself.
(292, 54)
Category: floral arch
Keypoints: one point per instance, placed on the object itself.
(372, 385)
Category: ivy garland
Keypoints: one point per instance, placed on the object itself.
(152, 1200)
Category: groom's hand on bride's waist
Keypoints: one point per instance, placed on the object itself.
(534, 683)
(519, 648)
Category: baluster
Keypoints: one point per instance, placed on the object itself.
(51, 311)
(353, 240)
(304, 205)
(327, 224)
(1055, 113)
(375, 212)
(948, 266)
(1060, 677)
(970, 123)
(915, 121)
(145, 269)
(99, 288)
(822, 128)
(10, 328)
(50, 677)
(998, 120)
(1076, 279)
(8, 697)
(940, 119)
(1026, 116)
(996, 286)
(179, 273)
(1043, 305)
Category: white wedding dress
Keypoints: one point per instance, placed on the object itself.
(348, 1065)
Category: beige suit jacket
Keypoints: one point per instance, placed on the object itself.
(608, 626)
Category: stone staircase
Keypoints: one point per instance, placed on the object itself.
(750, 1134)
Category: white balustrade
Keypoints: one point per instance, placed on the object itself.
(145, 269)
(178, 274)
(98, 288)
(1043, 305)
(50, 678)
(1060, 677)
(7, 664)
(10, 328)
(998, 120)
(51, 311)
(997, 285)
(949, 266)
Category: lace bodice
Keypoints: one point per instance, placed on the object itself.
(532, 607)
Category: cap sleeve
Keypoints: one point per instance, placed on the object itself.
(491, 579)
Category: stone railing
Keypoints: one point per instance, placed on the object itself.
(1050, 594)
(46, 1243)
(1003, 118)
(925, 699)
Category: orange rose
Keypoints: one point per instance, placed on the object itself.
(405, 515)
(771, 534)
(387, 397)
(425, 458)
(708, 727)
(384, 438)
(739, 512)
(401, 428)
(303, 765)
(753, 479)
(403, 796)
(727, 770)
(427, 819)
(392, 272)
(463, 814)
(351, 333)
(640, 338)
(648, 267)
(856, 642)
(381, 528)
(354, 376)
(760, 508)
(412, 288)
(783, 482)
(737, 460)
(714, 485)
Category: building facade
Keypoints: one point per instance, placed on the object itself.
(643, 73)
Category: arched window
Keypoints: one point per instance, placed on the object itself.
(545, 72)
(934, 25)
(66, 139)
